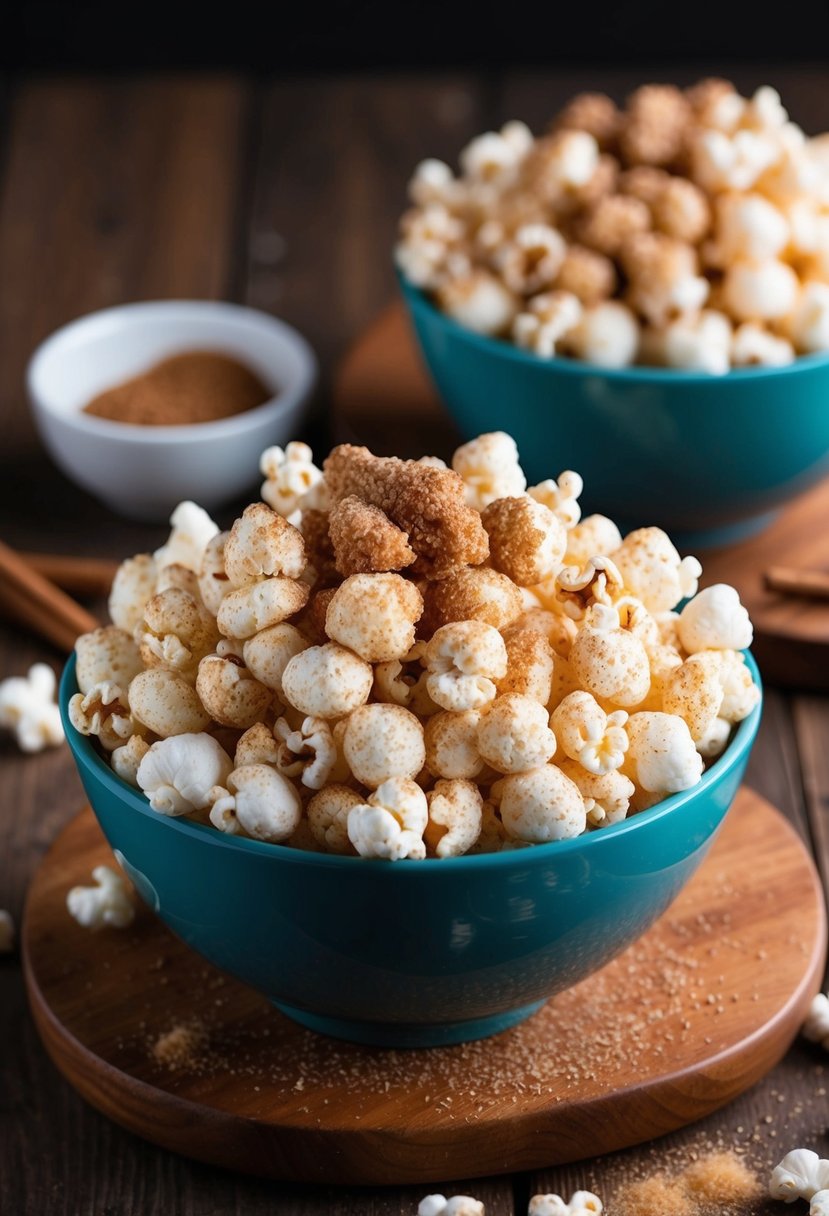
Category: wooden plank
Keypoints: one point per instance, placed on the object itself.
(811, 721)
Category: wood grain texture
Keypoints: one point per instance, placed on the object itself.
(698, 1023)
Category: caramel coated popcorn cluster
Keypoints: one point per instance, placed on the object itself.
(688, 229)
(397, 659)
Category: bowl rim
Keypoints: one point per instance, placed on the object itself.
(417, 298)
(121, 316)
(86, 756)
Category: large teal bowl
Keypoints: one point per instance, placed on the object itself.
(708, 458)
(414, 952)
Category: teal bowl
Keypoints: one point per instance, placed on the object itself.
(410, 953)
(707, 458)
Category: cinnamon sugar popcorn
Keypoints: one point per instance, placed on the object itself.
(686, 229)
(478, 669)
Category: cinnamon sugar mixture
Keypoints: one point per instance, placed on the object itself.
(195, 386)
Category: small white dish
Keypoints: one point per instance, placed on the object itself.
(143, 471)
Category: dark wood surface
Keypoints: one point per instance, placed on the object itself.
(262, 1094)
(284, 195)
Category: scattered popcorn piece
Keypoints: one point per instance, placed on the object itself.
(585, 733)
(383, 742)
(463, 660)
(327, 681)
(459, 1205)
(390, 825)
(514, 734)
(489, 468)
(258, 801)
(661, 756)
(28, 709)
(375, 616)
(816, 1026)
(800, 1175)
(714, 619)
(108, 903)
(548, 1205)
(192, 529)
(542, 805)
(178, 773)
(455, 814)
(607, 335)
(293, 481)
(526, 540)
(6, 932)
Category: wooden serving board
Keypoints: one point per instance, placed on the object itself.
(383, 397)
(689, 1017)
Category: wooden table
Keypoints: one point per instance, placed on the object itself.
(283, 195)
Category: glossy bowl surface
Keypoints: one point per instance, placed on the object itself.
(708, 458)
(143, 471)
(410, 953)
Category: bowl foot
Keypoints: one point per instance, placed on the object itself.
(408, 1034)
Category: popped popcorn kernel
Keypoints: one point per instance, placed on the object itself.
(27, 707)
(256, 801)
(292, 480)
(391, 823)
(542, 805)
(589, 276)
(230, 693)
(451, 741)
(107, 904)
(489, 468)
(166, 704)
(653, 571)
(609, 662)
(530, 661)
(526, 540)
(328, 814)
(611, 223)
(177, 774)
(308, 753)
(682, 211)
(607, 335)
(475, 593)
(595, 113)
(479, 301)
(548, 319)
(654, 126)
(463, 660)
(714, 619)
(375, 616)
(327, 681)
(263, 545)
(596, 740)
(514, 734)
(531, 259)
(661, 756)
(383, 742)
(455, 815)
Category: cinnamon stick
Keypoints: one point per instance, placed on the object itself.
(81, 575)
(811, 584)
(38, 604)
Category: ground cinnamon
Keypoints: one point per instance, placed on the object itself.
(195, 386)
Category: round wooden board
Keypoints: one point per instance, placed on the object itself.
(693, 1014)
(384, 398)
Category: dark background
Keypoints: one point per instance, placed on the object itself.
(298, 35)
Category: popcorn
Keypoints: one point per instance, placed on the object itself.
(103, 711)
(808, 322)
(529, 663)
(451, 742)
(747, 228)
(27, 707)
(382, 742)
(432, 182)
(108, 903)
(126, 759)
(760, 291)
(132, 586)
(479, 301)
(548, 319)
(308, 753)
(607, 335)
(494, 157)
(681, 210)
(430, 237)
(258, 802)
(530, 261)
(213, 581)
(611, 222)
(663, 279)
(561, 497)
(589, 276)
(175, 631)
(489, 468)
(166, 704)
(693, 691)
(714, 620)
(607, 796)
(582, 1203)
(292, 480)
(327, 681)
(592, 112)
(455, 815)
(800, 1175)
(459, 1205)
(661, 756)
(721, 161)
(463, 659)
(594, 534)
(656, 120)
(514, 735)
(391, 823)
(246, 611)
(542, 805)
(178, 773)
(364, 540)
(263, 545)
(229, 693)
(609, 662)
(106, 654)
(268, 652)
(375, 616)
(328, 813)
(404, 683)
(6, 932)
(653, 571)
(752, 345)
(740, 693)
(526, 540)
(473, 594)
(585, 733)
(816, 1026)
(702, 342)
(192, 529)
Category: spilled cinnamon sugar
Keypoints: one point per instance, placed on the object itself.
(191, 387)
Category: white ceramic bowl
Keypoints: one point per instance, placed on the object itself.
(143, 471)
